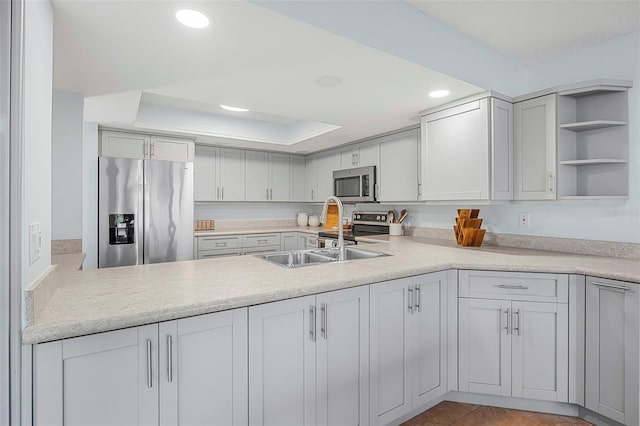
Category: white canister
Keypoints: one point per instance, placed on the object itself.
(303, 219)
(395, 229)
(314, 220)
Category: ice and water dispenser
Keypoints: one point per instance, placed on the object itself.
(121, 229)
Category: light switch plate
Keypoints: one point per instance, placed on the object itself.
(35, 242)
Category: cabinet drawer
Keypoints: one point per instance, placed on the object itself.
(261, 240)
(524, 286)
(260, 250)
(207, 254)
(215, 243)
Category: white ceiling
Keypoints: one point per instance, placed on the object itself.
(113, 51)
(535, 31)
(126, 55)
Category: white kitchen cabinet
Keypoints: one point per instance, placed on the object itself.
(611, 374)
(467, 151)
(312, 178)
(535, 149)
(360, 155)
(267, 176)
(206, 173)
(408, 345)
(398, 171)
(513, 334)
(232, 175)
(593, 142)
(139, 146)
(298, 178)
(203, 371)
(282, 363)
(290, 241)
(296, 342)
(171, 149)
(326, 164)
(107, 378)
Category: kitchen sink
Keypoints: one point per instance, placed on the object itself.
(352, 253)
(298, 258)
(295, 259)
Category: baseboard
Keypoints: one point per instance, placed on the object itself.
(596, 418)
(417, 411)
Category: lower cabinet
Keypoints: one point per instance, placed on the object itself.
(186, 372)
(509, 344)
(611, 373)
(408, 344)
(308, 360)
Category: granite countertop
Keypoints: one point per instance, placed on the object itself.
(94, 301)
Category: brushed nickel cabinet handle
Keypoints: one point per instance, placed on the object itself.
(418, 300)
(410, 297)
(153, 149)
(312, 323)
(513, 287)
(169, 359)
(149, 366)
(323, 320)
(506, 320)
(271, 194)
(223, 192)
(217, 193)
(516, 327)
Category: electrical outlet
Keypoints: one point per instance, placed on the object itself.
(525, 220)
(35, 242)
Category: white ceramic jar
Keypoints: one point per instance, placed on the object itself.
(303, 219)
(314, 220)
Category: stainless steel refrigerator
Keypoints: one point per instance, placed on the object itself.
(145, 211)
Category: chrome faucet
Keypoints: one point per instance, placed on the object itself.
(325, 208)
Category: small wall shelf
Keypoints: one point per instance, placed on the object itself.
(583, 126)
(593, 141)
(593, 161)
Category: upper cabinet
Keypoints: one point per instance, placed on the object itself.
(398, 171)
(206, 174)
(360, 155)
(326, 164)
(535, 149)
(297, 177)
(593, 140)
(138, 146)
(267, 176)
(232, 174)
(467, 151)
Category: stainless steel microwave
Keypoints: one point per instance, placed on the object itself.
(357, 185)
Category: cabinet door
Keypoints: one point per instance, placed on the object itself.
(205, 174)
(297, 178)
(312, 179)
(124, 145)
(282, 363)
(390, 370)
(203, 370)
(399, 168)
(540, 361)
(232, 166)
(257, 176)
(535, 149)
(428, 342)
(349, 158)
(611, 378)
(342, 353)
(501, 150)
(455, 153)
(485, 346)
(368, 155)
(327, 163)
(302, 242)
(170, 149)
(279, 177)
(290, 241)
(101, 379)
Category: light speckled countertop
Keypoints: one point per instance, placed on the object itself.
(93, 301)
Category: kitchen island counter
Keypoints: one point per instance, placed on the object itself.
(93, 301)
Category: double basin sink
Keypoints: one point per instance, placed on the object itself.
(298, 258)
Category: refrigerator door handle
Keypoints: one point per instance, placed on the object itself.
(140, 232)
(146, 210)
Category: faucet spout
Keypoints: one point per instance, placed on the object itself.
(325, 208)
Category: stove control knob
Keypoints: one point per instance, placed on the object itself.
(357, 216)
(378, 217)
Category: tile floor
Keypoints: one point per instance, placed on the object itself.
(459, 414)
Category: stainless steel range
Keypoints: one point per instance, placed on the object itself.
(363, 224)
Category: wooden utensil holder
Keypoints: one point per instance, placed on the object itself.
(467, 228)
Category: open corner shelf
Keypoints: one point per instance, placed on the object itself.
(584, 126)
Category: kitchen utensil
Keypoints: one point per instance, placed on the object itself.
(403, 215)
(391, 214)
(472, 237)
(468, 213)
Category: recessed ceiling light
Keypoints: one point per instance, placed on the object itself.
(439, 93)
(328, 81)
(192, 18)
(234, 109)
